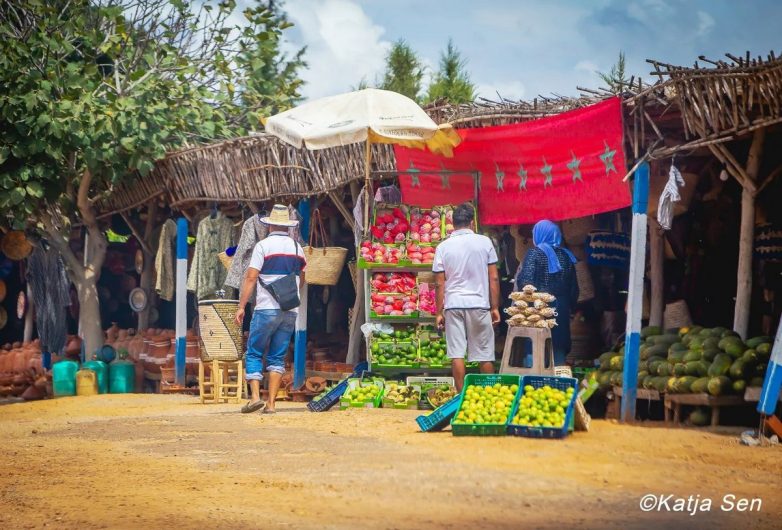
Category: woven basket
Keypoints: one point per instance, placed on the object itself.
(324, 263)
(220, 337)
(586, 288)
(583, 419)
(576, 230)
(225, 259)
(677, 315)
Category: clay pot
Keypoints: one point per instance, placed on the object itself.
(16, 345)
(113, 332)
(33, 393)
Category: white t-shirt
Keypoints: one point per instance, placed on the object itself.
(276, 256)
(464, 258)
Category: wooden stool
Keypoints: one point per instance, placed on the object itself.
(225, 382)
(513, 353)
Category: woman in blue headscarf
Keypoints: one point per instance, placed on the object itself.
(550, 268)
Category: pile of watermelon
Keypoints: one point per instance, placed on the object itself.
(692, 360)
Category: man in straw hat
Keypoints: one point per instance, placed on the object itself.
(275, 258)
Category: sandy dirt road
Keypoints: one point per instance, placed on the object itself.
(150, 461)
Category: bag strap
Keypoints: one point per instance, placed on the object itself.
(317, 230)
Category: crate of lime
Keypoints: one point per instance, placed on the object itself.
(544, 407)
(485, 405)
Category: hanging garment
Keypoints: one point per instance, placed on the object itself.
(165, 270)
(669, 196)
(207, 274)
(51, 295)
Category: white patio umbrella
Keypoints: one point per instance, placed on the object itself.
(370, 116)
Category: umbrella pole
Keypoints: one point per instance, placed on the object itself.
(367, 182)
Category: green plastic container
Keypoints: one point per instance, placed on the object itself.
(122, 377)
(101, 372)
(484, 429)
(64, 377)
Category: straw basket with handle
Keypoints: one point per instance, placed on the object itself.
(324, 263)
(677, 315)
(220, 336)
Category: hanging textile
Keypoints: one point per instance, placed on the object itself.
(51, 295)
(207, 274)
(165, 271)
(668, 197)
(253, 231)
(560, 167)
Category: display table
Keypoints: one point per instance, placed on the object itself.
(615, 406)
(673, 402)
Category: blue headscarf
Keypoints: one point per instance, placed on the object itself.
(547, 237)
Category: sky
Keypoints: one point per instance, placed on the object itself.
(523, 48)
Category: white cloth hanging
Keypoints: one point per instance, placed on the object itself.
(669, 196)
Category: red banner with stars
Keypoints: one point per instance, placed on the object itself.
(561, 167)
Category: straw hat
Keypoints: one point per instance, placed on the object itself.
(279, 217)
(16, 246)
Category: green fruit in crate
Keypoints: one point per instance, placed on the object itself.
(486, 404)
(543, 407)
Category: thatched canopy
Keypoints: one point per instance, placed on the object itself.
(251, 169)
(687, 109)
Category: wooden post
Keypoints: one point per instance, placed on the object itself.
(28, 316)
(356, 336)
(181, 299)
(635, 293)
(300, 341)
(146, 280)
(747, 236)
(657, 257)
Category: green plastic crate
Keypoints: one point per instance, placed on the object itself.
(345, 403)
(484, 429)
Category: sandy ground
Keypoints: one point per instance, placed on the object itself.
(150, 461)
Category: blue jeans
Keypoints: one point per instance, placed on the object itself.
(270, 333)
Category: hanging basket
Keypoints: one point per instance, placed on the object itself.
(225, 259)
(677, 315)
(16, 246)
(586, 287)
(324, 264)
(576, 230)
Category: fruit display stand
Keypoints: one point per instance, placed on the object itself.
(428, 383)
(401, 396)
(641, 394)
(674, 402)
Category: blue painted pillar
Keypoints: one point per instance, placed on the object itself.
(300, 342)
(46, 360)
(769, 396)
(181, 299)
(635, 292)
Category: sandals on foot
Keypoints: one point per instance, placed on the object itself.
(253, 407)
(270, 411)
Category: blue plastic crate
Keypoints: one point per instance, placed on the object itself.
(332, 397)
(537, 381)
(440, 417)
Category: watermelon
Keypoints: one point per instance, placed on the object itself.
(699, 417)
(718, 385)
(754, 342)
(700, 385)
(720, 366)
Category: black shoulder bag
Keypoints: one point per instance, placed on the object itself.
(285, 290)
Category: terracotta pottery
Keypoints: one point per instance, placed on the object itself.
(16, 345)
(122, 334)
(113, 332)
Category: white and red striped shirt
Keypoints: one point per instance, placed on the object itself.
(274, 257)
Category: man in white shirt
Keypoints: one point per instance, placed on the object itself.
(271, 329)
(468, 294)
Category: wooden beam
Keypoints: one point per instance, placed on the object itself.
(337, 200)
(657, 262)
(136, 234)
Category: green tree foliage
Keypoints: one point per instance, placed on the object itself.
(452, 82)
(404, 71)
(615, 79)
(268, 79)
(95, 91)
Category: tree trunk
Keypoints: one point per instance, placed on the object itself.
(657, 258)
(89, 315)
